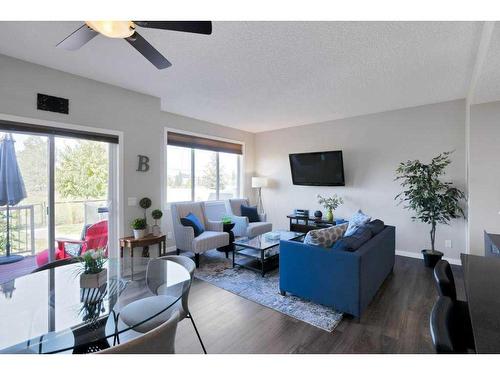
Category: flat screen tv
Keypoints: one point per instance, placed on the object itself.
(317, 168)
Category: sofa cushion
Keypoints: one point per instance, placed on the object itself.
(192, 221)
(254, 229)
(251, 213)
(325, 237)
(358, 219)
(376, 226)
(209, 240)
(355, 240)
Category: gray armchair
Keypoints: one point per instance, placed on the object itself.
(211, 238)
(242, 225)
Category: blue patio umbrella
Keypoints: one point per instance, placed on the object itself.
(12, 189)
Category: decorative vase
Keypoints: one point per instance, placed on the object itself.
(431, 257)
(94, 280)
(156, 230)
(329, 214)
(139, 233)
(318, 214)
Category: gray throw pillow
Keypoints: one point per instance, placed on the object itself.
(325, 237)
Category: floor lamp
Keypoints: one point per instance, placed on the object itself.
(259, 183)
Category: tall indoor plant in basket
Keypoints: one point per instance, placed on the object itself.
(432, 200)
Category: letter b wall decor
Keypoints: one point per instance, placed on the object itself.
(143, 165)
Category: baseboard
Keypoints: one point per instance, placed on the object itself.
(410, 254)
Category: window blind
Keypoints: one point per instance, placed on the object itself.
(190, 141)
(11, 126)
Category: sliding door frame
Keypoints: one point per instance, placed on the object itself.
(115, 190)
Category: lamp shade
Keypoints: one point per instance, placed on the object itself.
(259, 182)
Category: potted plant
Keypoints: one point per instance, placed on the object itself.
(156, 214)
(139, 226)
(93, 273)
(330, 204)
(432, 200)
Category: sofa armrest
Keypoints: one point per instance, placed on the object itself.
(240, 225)
(215, 226)
(263, 217)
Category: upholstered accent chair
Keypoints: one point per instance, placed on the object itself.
(160, 340)
(213, 236)
(242, 225)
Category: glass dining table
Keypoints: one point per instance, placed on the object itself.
(47, 311)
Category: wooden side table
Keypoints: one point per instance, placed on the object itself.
(131, 243)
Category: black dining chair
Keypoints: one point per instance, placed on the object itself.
(448, 332)
(445, 283)
(56, 263)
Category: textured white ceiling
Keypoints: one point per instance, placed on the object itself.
(259, 76)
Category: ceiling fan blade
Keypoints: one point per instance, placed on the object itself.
(77, 38)
(148, 51)
(199, 27)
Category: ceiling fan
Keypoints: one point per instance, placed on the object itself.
(127, 30)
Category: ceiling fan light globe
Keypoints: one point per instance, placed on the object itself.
(113, 29)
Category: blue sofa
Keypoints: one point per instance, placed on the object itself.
(346, 281)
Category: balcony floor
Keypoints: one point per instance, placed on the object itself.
(17, 269)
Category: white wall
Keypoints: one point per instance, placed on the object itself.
(484, 173)
(95, 104)
(372, 146)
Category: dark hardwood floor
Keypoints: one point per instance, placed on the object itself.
(397, 321)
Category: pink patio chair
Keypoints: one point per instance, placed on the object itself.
(96, 237)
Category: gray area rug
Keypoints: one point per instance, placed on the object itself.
(217, 270)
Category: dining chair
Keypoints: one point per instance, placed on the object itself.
(445, 283)
(447, 328)
(156, 282)
(160, 288)
(56, 263)
(159, 340)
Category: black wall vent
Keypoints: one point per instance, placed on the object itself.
(52, 104)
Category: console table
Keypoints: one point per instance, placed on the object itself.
(304, 224)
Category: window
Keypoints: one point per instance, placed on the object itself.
(179, 174)
(201, 169)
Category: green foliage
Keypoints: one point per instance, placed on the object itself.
(83, 171)
(32, 161)
(432, 200)
(145, 203)
(139, 223)
(227, 220)
(330, 203)
(157, 214)
(208, 177)
(93, 261)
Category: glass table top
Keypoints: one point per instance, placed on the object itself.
(267, 240)
(48, 312)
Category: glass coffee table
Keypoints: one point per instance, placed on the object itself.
(261, 253)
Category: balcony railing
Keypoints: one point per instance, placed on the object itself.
(28, 223)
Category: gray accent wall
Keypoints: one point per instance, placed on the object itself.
(372, 146)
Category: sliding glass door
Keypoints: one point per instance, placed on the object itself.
(69, 205)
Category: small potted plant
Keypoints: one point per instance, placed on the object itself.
(432, 200)
(93, 274)
(330, 204)
(139, 226)
(157, 215)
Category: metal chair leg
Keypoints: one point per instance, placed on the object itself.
(197, 334)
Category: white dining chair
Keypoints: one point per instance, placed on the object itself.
(159, 340)
(156, 281)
